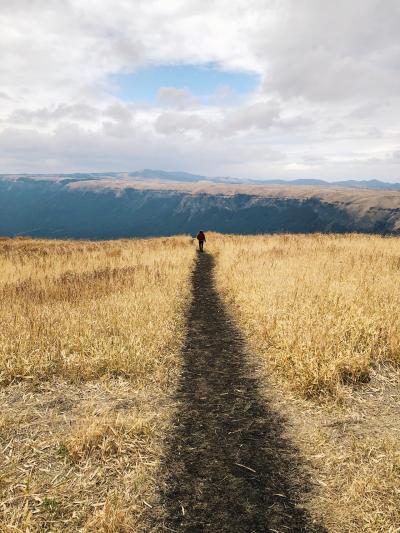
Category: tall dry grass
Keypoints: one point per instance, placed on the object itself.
(86, 310)
(90, 334)
(321, 313)
(320, 309)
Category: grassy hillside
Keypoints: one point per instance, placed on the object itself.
(322, 316)
(90, 335)
(103, 208)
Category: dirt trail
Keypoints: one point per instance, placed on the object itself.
(228, 467)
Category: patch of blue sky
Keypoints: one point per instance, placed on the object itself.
(205, 82)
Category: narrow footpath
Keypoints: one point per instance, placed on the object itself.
(228, 466)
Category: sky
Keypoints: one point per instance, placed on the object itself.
(242, 88)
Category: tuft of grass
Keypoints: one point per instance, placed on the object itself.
(113, 517)
(109, 436)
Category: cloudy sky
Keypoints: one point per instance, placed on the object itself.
(252, 88)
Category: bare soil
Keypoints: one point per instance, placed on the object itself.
(228, 466)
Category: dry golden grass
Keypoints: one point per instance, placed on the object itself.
(90, 334)
(322, 315)
(86, 310)
(321, 309)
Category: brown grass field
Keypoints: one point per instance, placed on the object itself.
(321, 314)
(90, 342)
(90, 335)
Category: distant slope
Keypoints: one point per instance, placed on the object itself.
(102, 206)
(186, 177)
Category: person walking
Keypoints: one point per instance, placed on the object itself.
(202, 239)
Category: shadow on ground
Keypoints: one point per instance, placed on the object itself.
(228, 467)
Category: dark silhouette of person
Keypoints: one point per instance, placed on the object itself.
(202, 239)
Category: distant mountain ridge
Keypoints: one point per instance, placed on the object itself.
(186, 177)
(154, 203)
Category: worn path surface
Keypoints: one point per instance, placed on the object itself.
(228, 466)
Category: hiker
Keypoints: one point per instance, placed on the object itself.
(202, 239)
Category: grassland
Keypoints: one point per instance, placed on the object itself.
(321, 313)
(90, 334)
(90, 341)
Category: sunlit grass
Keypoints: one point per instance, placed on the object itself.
(320, 309)
(322, 314)
(90, 338)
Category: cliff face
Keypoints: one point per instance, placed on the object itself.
(100, 210)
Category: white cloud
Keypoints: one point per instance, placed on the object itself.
(395, 157)
(261, 115)
(45, 115)
(173, 122)
(176, 98)
(368, 109)
(330, 86)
